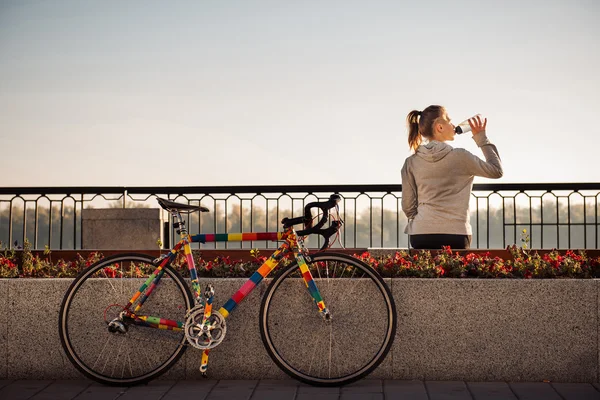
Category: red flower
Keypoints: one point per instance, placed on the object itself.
(440, 270)
(110, 273)
(5, 262)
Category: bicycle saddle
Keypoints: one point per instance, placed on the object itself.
(179, 207)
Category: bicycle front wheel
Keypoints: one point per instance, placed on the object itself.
(335, 352)
(132, 353)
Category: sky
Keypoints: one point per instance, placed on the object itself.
(203, 93)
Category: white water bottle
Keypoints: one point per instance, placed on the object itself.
(464, 126)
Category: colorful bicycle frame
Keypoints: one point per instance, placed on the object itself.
(292, 242)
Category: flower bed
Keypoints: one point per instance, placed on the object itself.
(449, 264)
(523, 263)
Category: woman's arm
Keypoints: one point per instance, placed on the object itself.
(409, 193)
(492, 166)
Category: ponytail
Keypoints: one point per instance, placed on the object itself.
(414, 137)
(420, 125)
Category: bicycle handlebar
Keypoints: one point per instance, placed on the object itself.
(307, 219)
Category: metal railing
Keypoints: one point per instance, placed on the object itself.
(553, 215)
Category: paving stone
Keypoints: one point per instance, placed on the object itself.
(5, 382)
(276, 390)
(446, 390)
(362, 396)
(23, 389)
(232, 390)
(534, 391)
(317, 396)
(396, 389)
(289, 389)
(307, 392)
(62, 389)
(187, 390)
(308, 389)
(491, 391)
(154, 390)
(363, 389)
(97, 391)
(577, 391)
(364, 386)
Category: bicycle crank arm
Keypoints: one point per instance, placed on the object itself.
(204, 363)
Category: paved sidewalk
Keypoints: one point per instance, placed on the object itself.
(292, 390)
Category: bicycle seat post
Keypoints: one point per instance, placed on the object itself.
(179, 223)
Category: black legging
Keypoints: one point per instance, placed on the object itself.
(436, 241)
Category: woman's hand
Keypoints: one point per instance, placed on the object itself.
(477, 125)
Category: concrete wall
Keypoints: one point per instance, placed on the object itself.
(121, 228)
(448, 329)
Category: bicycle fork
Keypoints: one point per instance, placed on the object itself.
(312, 287)
(300, 252)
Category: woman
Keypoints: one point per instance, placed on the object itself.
(437, 179)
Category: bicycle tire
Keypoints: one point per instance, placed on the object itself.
(343, 350)
(82, 321)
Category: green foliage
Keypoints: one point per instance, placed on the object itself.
(524, 264)
(32, 266)
(8, 265)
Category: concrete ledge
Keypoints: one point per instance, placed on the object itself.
(497, 330)
(4, 317)
(121, 228)
(448, 329)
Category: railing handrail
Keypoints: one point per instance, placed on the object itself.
(68, 190)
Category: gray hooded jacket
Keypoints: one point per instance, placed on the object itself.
(437, 182)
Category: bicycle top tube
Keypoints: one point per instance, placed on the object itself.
(236, 237)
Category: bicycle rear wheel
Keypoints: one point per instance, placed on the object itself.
(97, 296)
(336, 352)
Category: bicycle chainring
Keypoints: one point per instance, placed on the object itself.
(206, 336)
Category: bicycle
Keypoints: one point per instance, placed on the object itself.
(344, 309)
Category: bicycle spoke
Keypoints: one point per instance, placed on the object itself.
(109, 281)
(100, 355)
(123, 369)
(117, 359)
(129, 364)
(315, 348)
